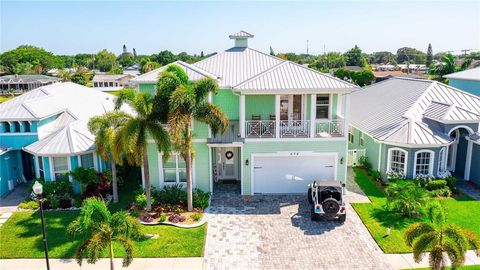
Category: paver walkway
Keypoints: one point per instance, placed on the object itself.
(11, 201)
(275, 232)
(354, 193)
(137, 264)
(468, 188)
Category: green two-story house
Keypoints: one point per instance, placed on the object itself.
(287, 124)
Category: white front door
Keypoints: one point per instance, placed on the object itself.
(291, 174)
(227, 163)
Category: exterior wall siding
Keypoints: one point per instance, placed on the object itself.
(17, 142)
(272, 147)
(152, 153)
(475, 168)
(147, 88)
(46, 169)
(263, 105)
(74, 165)
(469, 86)
(228, 102)
(370, 145)
(202, 167)
(9, 163)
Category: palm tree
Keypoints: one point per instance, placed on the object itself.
(101, 229)
(105, 128)
(406, 198)
(448, 66)
(132, 136)
(438, 237)
(185, 102)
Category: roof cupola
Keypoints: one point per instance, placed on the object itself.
(241, 38)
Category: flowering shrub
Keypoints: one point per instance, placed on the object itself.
(147, 219)
(444, 174)
(393, 175)
(176, 218)
(423, 179)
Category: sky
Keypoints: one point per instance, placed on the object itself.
(70, 27)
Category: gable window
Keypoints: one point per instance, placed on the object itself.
(423, 162)
(87, 161)
(397, 160)
(350, 134)
(360, 138)
(174, 170)
(41, 172)
(60, 167)
(442, 160)
(323, 104)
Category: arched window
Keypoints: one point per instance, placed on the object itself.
(397, 160)
(424, 162)
(442, 160)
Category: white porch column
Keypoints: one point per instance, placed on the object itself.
(242, 115)
(95, 162)
(52, 172)
(346, 116)
(37, 169)
(468, 161)
(143, 177)
(160, 170)
(210, 171)
(313, 114)
(277, 116)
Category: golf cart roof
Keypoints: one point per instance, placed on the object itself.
(329, 183)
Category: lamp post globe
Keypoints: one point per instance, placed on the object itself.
(37, 188)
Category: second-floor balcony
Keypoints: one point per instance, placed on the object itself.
(294, 128)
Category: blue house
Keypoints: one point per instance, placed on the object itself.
(43, 133)
(467, 80)
(417, 127)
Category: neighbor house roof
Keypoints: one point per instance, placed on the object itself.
(194, 73)
(109, 77)
(395, 110)
(469, 74)
(27, 78)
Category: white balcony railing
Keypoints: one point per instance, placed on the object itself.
(293, 128)
(329, 128)
(260, 129)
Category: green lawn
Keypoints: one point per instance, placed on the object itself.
(5, 98)
(463, 211)
(20, 236)
(115, 93)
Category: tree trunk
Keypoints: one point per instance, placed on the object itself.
(146, 173)
(112, 267)
(114, 182)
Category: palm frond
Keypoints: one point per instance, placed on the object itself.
(132, 140)
(161, 137)
(94, 212)
(424, 243)
(95, 247)
(473, 240)
(182, 99)
(177, 124)
(203, 87)
(213, 116)
(128, 247)
(143, 104)
(80, 253)
(455, 233)
(178, 72)
(416, 230)
(455, 252)
(127, 95)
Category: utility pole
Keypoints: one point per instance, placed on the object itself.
(324, 51)
(465, 51)
(307, 47)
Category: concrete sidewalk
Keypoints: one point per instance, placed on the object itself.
(137, 264)
(404, 261)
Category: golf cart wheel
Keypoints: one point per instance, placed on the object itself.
(342, 218)
(309, 196)
(331, 207)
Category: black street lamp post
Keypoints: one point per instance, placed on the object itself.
(38, 190)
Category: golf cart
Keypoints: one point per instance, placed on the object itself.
(327, 200)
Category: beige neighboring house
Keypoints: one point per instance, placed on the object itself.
(111, 82)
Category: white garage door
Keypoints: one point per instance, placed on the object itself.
(287, 174)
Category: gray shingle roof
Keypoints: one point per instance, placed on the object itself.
(394, 110)
(27, 78)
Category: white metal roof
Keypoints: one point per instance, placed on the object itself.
(291, 76)
(194, 73)
(109, 77)
(475, 137)
(241, 34)
(469, 74)
(73, 138)
(394, 110)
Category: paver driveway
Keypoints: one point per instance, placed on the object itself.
(275, 232)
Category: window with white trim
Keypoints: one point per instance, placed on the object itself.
(41, 171)
(423, 162)
(398, 160)
(442, 160)
(322, 105)
(360, 138)
(174, 170)
(87, 161)
(350, 134)
(60, 167)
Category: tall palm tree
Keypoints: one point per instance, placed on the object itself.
(438, 237)
(105, 128)
(133, 135)
(185, 102)
(101, 228)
